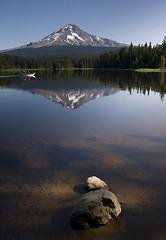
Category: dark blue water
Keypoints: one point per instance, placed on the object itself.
(60, 128)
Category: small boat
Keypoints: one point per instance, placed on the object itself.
(27, 74)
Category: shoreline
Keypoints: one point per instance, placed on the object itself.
(84, 69)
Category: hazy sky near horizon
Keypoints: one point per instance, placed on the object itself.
(124, 21)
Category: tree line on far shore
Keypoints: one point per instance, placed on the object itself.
(142, 56)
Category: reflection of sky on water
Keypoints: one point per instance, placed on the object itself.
(46, 150)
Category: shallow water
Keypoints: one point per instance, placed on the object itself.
(60, 128)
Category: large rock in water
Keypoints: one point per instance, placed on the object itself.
(95, 208)
(94, 183)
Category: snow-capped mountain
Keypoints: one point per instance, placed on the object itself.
(70, 35)
(68, 42)
(74, 36)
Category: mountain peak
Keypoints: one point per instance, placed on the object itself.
(69, 27)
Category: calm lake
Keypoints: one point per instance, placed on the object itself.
(64, 126)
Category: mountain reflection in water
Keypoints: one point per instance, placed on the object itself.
(74, 88)
(71, 94)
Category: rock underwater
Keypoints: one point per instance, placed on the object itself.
(94, 183)
(95, 208)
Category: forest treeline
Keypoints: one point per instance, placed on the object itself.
(142, 56)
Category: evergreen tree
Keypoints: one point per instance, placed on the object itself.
(162, 62)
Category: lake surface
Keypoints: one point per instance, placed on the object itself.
(62, 127)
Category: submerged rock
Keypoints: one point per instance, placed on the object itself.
(95, 208)
(94, 183)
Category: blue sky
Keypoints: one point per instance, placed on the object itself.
(125, 21)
